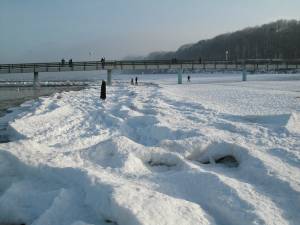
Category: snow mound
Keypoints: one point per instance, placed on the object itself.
(293, 124)
(146, 130)
(40, 195)
(223, 153)
(161, 161)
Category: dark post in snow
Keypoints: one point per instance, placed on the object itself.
(103, 90)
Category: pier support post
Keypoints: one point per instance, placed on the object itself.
(179, 74)
(244, 75)
(244, 72)
(109, 77)
(35, 79)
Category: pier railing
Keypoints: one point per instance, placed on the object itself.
(249, 64)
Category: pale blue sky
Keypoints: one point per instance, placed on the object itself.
(47, 30)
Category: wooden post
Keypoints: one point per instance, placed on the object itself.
(103, 90)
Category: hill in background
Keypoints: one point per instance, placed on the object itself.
(280, 39)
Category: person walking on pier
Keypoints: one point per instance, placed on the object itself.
(103, 62)
(200, 60)
(136, 80)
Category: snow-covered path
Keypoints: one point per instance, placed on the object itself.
(190, 154)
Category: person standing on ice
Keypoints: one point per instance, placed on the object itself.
(103, 90)
(189, 78)
(136, 81)
(132, 81)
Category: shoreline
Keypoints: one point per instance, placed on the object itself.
(14, 96)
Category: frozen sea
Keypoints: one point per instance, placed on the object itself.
(212, 151)
(17, 88)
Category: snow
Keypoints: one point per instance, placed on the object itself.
(159, 153)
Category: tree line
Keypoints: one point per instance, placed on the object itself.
(277, 40)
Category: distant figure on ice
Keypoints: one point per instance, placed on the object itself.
(103, 90)
(189, 78)
(103, 62)
(132, 81)
(136, 81)
(70, 62)
(200, 60)
(63, 61)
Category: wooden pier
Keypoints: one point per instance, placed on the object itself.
(250, 65)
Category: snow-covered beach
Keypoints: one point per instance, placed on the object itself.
(204, 152)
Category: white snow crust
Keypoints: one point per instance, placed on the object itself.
(225, 153)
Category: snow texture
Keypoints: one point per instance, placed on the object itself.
(223, 153)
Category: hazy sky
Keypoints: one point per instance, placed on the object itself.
(43, 30)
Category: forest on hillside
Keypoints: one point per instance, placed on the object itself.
(277, 40)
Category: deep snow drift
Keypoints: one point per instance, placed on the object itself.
(225, 153)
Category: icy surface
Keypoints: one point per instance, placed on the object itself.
(215, 153)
